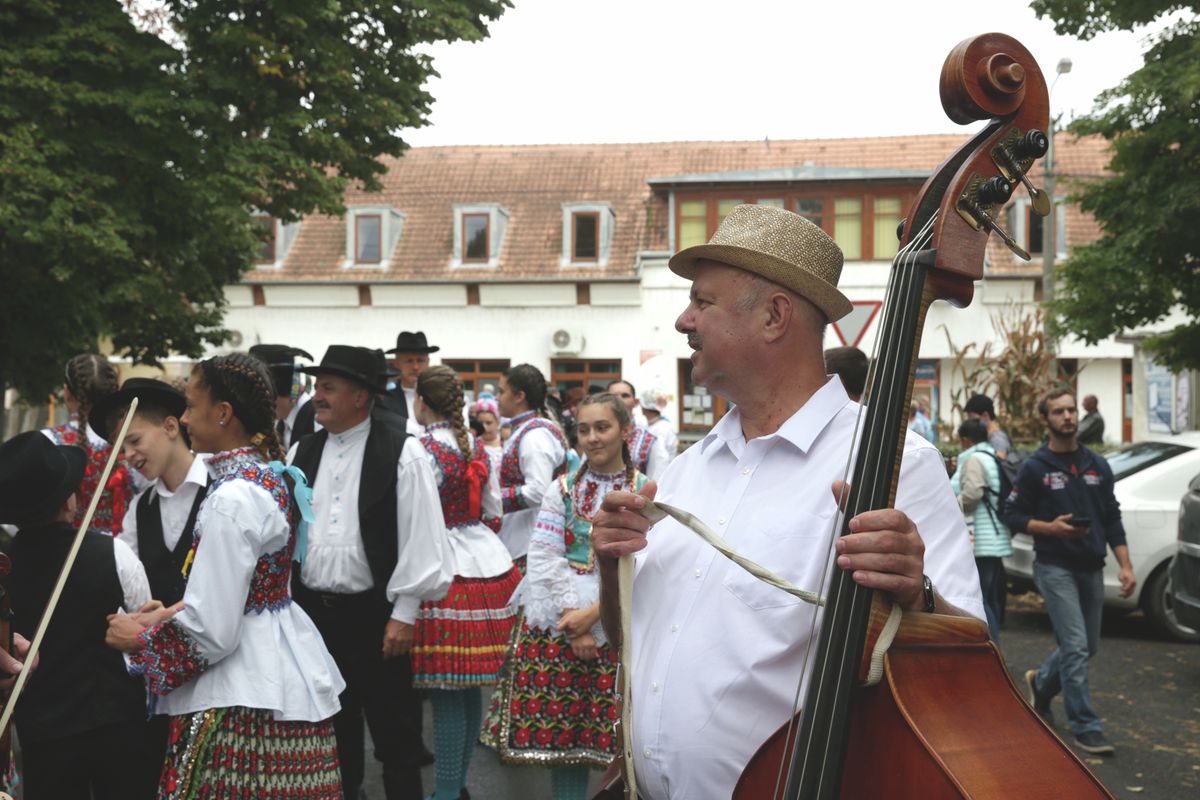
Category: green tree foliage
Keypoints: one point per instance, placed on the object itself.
(1147, 260)
(133, 147)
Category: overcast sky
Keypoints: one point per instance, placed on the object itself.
(664, 70)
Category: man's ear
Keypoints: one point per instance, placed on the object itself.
(171, 426)
(780, 312)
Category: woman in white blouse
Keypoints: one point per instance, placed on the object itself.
(240, 669)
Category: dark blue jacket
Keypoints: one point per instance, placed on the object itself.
(1046, 488)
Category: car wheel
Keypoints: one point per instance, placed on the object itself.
(1160, 607)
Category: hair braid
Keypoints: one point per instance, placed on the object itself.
(442, 390)
(247, 381)
(90, 377)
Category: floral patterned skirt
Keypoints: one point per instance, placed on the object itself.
(460, 641)
(551, 708)
(245, 753)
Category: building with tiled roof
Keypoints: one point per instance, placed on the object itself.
(556, 255)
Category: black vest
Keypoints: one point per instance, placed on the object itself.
(164, 568)
(304, 423)
(393, 408)
(81, 683)
(376, 492)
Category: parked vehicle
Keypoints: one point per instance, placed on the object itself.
(1151, 477)
(1185, 569)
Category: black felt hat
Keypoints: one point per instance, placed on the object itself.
(36, 477)
(412, 342)
(148, 390)
(360, 364)
(281, 361)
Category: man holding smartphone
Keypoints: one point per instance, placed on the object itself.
(1063, 497)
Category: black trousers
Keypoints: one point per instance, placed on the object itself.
(114, 762)
(381, 691)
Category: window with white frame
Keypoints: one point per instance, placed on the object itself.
(372, 233)
(478, 235)
(1028, 228)
(587, 234)
(275, 240)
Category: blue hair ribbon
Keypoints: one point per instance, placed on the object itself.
(302, 493)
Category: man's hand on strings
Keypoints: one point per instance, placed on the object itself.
(616, 529)
(884, 551)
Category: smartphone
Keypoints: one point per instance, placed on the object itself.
(1080, 522)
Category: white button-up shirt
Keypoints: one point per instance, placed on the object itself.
(717, 654)
(336, 560)
(173, 507)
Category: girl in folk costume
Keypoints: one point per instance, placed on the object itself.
(240, 668)
(486, 412)
(461, 640)
(90, 377)
(534, 455)
(557, 705)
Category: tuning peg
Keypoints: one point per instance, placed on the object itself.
(986, 220)
(995, 191)
(1034, 144)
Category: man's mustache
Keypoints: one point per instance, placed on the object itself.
(694, 341)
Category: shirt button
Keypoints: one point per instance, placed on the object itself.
(674, 629)
(720, 520)
(697, 573)
(654, 686)
(745, 470)
(647, 753)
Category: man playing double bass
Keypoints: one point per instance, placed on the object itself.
(717, 654)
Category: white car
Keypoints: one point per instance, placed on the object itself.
(1151, 479)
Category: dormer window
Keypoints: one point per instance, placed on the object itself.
(372, 233)
(587, 234)
(475, 236)
(368, 244)
(478, 234)
(274, 240)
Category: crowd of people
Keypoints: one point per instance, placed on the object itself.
(289, 552)
(293, 551)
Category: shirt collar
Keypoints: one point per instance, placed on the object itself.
(197, 473)
(801, 429)
(352, 435)
(522, 418)
(290, 419)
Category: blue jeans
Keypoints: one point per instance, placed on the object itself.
(992, 585)
(1075, 602)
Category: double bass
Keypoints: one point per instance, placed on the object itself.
(943, 718)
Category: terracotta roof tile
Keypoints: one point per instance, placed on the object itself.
(532, 181)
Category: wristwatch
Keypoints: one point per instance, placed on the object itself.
(930, 597)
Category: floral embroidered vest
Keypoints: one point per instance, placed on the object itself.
(270, 587)
(511, 476)
(640, 442)
(577, 529)
(455, 491)
(118, 492)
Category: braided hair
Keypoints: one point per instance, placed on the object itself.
(245, 383)
(530, 380)
(624, 420)
(90, 377)
(442, 390)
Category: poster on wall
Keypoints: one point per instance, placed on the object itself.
(1159, 395)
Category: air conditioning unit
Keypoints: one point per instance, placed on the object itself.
(564, 342)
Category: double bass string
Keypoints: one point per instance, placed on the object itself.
(903, 259)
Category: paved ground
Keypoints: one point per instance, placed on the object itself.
(1146, 690)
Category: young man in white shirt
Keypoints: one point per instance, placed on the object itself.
(762, 479)
(375, 551)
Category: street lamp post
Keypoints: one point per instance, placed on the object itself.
(1049, 225)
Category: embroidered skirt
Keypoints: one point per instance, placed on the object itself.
(245, 753)
(460, 641)
(552, 708)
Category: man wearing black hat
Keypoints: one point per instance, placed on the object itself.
(375, 551)
(81, 718)
(294, 412)
(410, 357)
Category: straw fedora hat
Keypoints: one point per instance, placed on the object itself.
(780, 246)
